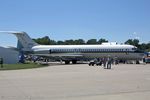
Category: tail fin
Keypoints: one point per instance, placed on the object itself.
(25, 43)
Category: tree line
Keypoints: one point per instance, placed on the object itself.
(47, 41)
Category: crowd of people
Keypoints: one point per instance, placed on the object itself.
(105, 61)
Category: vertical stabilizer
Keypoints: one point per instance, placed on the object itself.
(25, 43)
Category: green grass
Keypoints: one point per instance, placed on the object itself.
(20, 66)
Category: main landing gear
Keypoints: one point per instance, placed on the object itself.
(67, 62)
(73, 62)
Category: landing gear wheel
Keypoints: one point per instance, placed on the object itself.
(67, 62)
(74, 61)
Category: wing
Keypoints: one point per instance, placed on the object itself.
(60, 55)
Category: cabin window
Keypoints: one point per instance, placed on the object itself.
(78, 50)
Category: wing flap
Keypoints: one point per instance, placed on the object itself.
(59, 55)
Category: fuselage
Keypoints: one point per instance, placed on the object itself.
(88, 51)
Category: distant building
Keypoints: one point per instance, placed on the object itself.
(9, 56)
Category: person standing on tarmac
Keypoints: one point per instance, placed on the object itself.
(109, 63)
(104, 62)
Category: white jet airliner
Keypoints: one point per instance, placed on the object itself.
(74, 53)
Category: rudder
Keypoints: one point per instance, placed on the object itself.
(25, 43)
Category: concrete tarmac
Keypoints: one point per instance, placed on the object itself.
(77, 82)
